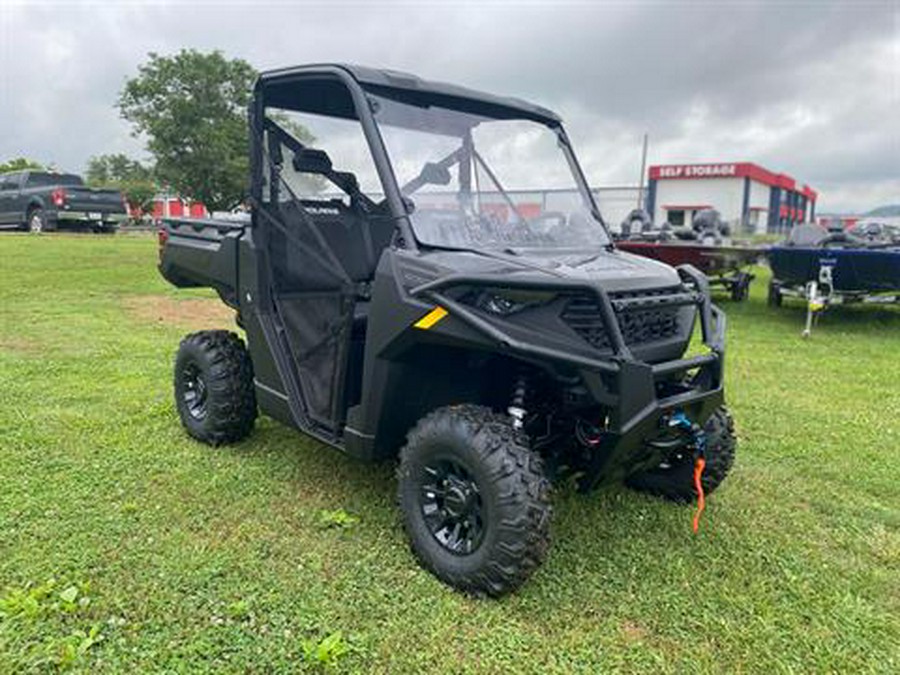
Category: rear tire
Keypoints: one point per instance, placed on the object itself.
(36, 221)
(674, 480)
(214, 392)
(474, 500)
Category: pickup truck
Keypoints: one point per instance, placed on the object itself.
(40, 201)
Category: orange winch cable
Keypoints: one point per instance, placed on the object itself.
(699, 465)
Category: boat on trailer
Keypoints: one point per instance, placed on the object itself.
(830, 268)
(707, 246)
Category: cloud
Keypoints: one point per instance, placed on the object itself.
(810, 89)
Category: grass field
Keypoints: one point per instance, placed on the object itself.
(126, 546)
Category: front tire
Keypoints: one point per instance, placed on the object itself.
(474, 500)
(674, 479)
(214, 392)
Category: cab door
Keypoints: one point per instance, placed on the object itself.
(320, 218)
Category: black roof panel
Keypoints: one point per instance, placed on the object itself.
(405, 82)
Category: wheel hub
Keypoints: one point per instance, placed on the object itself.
(452, 507)
(194, 393)
(459, 499)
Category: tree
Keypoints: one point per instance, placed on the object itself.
(108, 169)
(135, 180)
(20, 164)
(193, 109)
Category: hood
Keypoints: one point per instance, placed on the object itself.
(615, 270)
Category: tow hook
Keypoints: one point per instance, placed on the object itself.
(681, 422)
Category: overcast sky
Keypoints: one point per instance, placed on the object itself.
(807, 88)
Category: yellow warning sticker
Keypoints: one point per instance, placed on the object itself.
(431, 318)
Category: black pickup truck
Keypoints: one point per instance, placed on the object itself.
(38, 201)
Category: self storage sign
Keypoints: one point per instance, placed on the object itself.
(698, 171)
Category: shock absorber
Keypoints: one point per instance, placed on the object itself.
(516, 407)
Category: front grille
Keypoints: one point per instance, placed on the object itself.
(638, 327)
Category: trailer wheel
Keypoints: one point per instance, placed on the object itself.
(774, 298)
(740, 288)
(214, 392)
(474, 500)
(673, 479)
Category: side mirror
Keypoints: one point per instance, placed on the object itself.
(310, 160)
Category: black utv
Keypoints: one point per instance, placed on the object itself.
(424, 274)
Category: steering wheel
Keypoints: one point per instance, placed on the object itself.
(546, 222)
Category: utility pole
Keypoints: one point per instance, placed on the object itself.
(640, 202)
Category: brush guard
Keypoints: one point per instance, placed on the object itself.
(620, 383)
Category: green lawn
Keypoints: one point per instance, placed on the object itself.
(126, 546)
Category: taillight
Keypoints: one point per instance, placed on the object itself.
(162, 236)
(58, 197)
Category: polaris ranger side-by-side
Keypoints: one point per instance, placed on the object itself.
(404, 294)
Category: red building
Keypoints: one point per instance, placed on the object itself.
(170, 206)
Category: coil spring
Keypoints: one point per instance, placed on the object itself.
(516, 407)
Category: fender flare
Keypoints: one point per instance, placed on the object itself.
(34, 202)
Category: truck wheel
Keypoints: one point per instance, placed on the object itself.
(674, 478)
(214, 392)
(774, 298)
(474, 499)
(35, 221)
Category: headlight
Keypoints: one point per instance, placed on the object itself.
(503, 302)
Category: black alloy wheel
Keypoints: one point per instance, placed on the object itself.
(194, 392)
(452, 506)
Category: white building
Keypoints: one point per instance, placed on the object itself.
(615, 203)
(753, 199)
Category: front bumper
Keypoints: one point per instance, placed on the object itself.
(634, 392)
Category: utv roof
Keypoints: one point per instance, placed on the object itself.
(415, 88)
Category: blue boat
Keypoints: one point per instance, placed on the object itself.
(829, 268)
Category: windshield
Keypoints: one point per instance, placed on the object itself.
(473, 182)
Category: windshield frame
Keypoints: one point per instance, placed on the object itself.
(425, 100)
